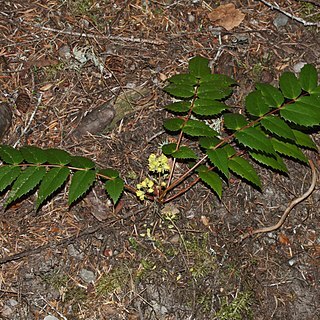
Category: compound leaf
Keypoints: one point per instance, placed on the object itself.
(255, 139)
(308, 78)
(234, 121)
(272, 96)
(33, 154)
(173, 124)
(52, 181)
(8, 174)
(245, 170)
(10, 155)
(272, 162)
(26, 182)
(255, 104)
(219, 158)
(213, 180)
(289, 150)
(114, 188)
(278, 126)
(196, 128)
(199, 67)
(81, 181)
(289, 85)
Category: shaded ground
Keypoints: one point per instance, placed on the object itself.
(133, 263)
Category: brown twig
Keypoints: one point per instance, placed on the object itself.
(292, 204)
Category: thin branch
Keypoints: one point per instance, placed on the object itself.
(95, 36)
(275, 6)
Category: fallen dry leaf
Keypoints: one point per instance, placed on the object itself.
(283, 239)
(226, 16)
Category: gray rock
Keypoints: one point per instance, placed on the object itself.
(87, 276)
(281, 20)
(73, 252)
(50, 317)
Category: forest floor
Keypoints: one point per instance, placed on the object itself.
(60, 60)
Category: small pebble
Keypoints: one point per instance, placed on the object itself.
(191, 18)
(50, 317)
(73, 252)
(281, 20)
(6, 311)
(87, 276)
(12, 302)
(65, 52)
(298, 66)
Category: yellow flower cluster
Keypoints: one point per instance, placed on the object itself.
(146, 186)
(158, 164)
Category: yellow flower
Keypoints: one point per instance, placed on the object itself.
(159, 165)
(140, 194)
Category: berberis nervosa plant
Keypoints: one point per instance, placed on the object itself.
(276, 124)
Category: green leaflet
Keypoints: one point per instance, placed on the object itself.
(198, 67)
(234, 121)
(255, 104)
(169, 148)
(245, 170)
(304, 140)
(272, 162)
(52, 181)
(10, 155)
(8, 174)
(26, 182)
(196, 128)
(213, 180)
(279, 127)
(184, 79)
(80, 183)
(184, 153)
(255, 139)
(219, 158)
(289, 150)
(114, 188)
(272, 96)
(110, 173)
(208, 143)
(215, 93)
(33, 154)
(179, 90)
(179, 107)
(173, 124)
(301, 114)
(81, 162)
(58, 156)
(205, 107)
(289, 85)
(219, 80)
(308, 78)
